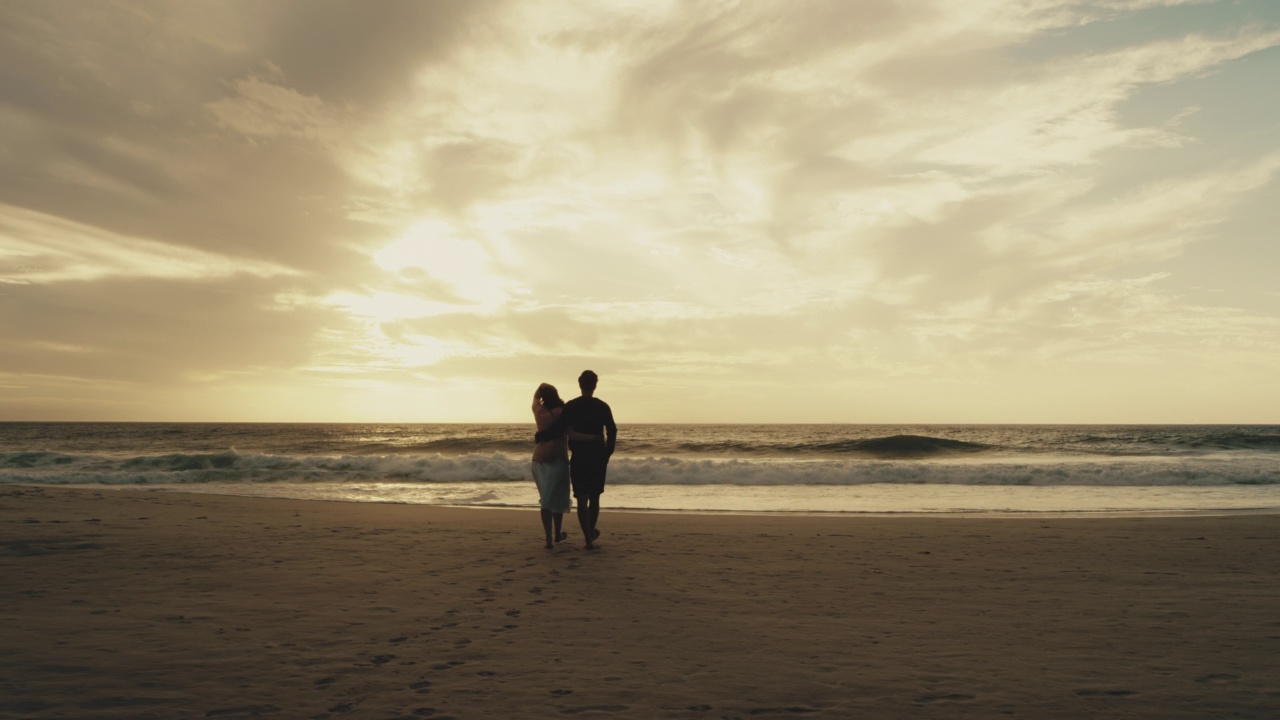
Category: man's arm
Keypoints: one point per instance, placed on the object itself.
(610, 429)
(556, 430)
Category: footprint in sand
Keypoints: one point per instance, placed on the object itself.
(1218, 678)
(595, 708)
(246, 710)
(1105, 693)
(561, 693)
(948, 696)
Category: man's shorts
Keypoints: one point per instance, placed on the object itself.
(586, 472)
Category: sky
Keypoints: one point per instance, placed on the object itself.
(883, 211)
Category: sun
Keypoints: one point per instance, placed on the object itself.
(463, 267)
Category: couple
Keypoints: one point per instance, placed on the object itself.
(585, 425)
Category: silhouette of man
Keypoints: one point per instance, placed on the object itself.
(587, 417)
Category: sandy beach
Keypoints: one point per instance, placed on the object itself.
(137, 604)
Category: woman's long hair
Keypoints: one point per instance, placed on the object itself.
(551, 397)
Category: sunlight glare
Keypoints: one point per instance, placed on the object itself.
(464, 266)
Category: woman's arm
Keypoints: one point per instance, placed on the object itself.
(537, 399)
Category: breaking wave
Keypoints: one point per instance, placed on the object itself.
(892, 460)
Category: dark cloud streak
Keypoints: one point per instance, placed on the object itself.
(154, 332)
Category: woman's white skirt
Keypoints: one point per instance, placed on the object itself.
(552, 479)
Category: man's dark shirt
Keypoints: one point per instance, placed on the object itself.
(587, 415)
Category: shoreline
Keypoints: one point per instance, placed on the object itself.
(516, 496)
(145, 604)
(969, 515)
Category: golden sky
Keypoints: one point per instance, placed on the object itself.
(873, 211)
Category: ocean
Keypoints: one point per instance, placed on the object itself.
(830, 468)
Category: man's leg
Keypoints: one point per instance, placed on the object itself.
(561, 498)
(584, 519)
(595, 506)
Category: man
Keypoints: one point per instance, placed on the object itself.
(592, 435)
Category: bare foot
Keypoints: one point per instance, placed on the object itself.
(562, 537)
(595, 533)
(550, 545)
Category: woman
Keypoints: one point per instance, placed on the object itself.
(551, 464)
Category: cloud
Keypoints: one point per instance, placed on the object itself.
(263, 109)
(740, 165)
(700, 197)
(149, 333)
(38, 248)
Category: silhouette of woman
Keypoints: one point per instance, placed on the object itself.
(551, 464)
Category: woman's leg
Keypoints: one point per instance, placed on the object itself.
(546, 526)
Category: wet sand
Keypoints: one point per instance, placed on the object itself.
(136, 604)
